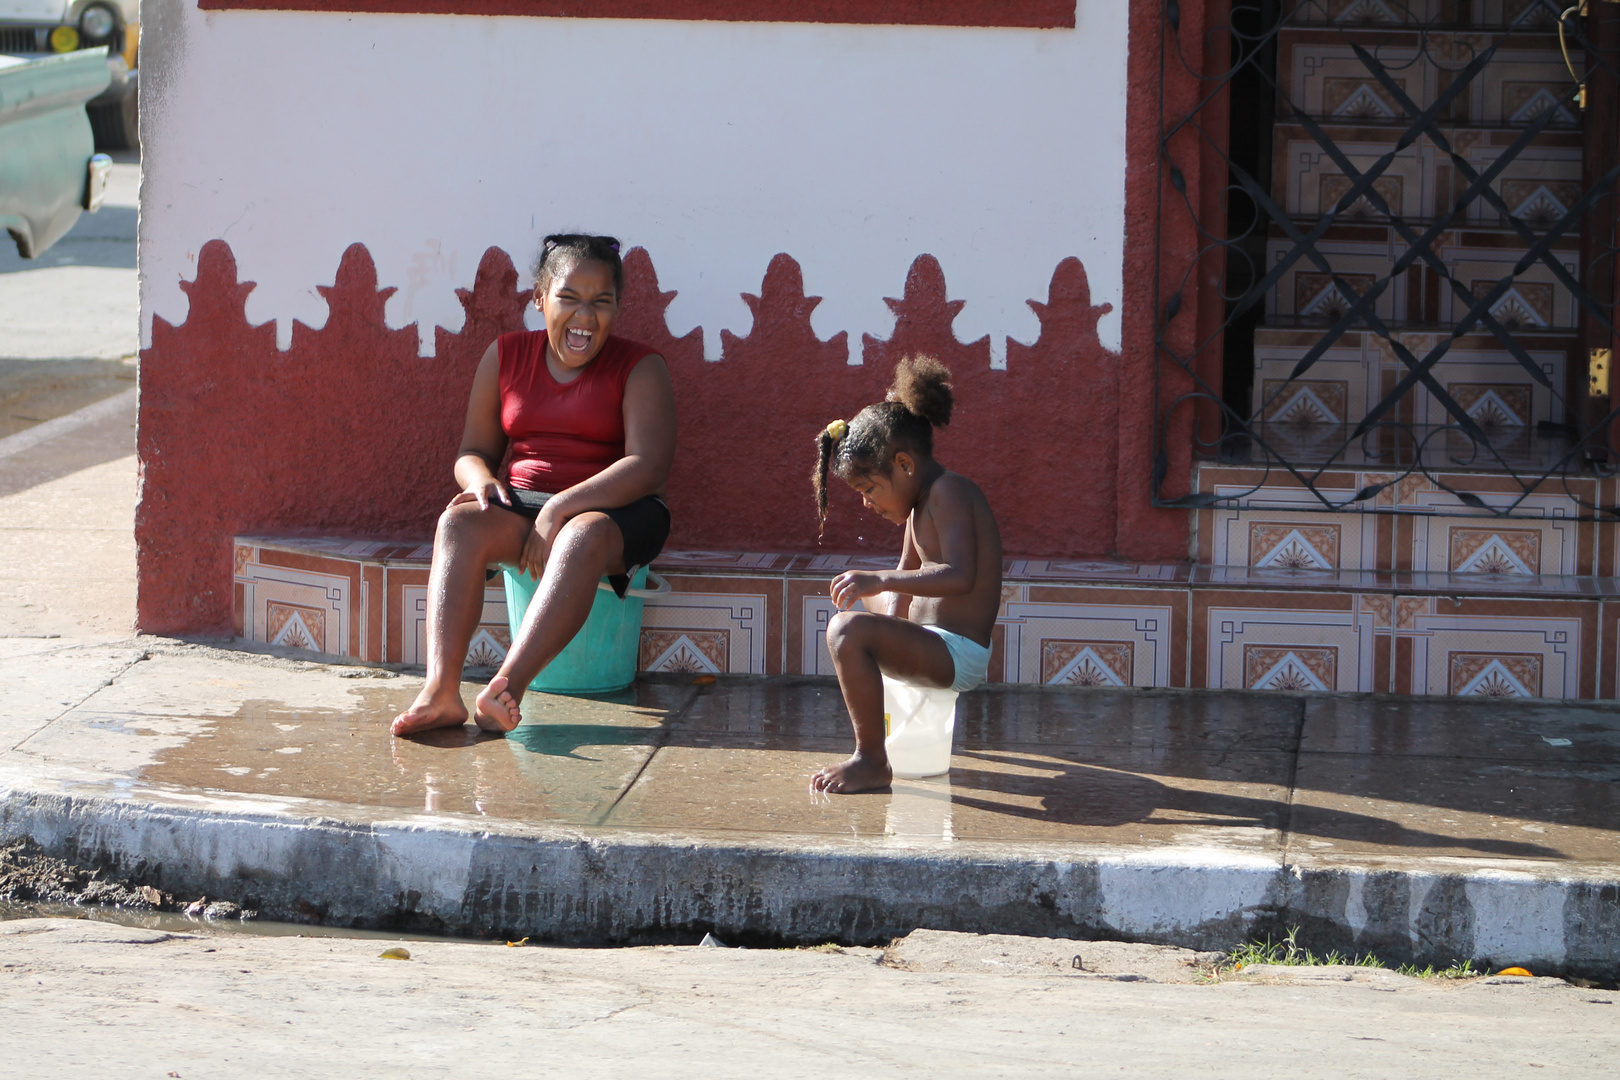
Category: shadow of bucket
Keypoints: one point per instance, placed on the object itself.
(602, 657)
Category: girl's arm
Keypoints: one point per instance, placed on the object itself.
(649, 448)
(953, 575)
(893, 603)
(483, 442)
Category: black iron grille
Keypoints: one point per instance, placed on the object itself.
(1414, 250)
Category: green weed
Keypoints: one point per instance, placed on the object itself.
(1463, 970)
(1289, 953)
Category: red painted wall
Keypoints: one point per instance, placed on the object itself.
(1148, 374)
(350, 432)
(1035, 14)
(347, 432)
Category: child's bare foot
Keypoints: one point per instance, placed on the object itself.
(430, 711)
(496, 709)
(857, 774)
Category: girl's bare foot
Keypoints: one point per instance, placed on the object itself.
(431, 710)
(496, 709)
(857, 774)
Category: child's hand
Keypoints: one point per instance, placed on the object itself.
(851, 585)
(537, 546)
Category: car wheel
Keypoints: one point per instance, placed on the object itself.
(117, 125)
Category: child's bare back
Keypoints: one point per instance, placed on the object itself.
(952, 503)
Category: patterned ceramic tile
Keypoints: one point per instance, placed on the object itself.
(1543, 535)
(1294, 641)
(489, 643)
(1496, 647)
(347, 547)
(298, 600)
(714, 624)
(1088, 663)
(1494, 551)
(1301, 667)
(1266, 577)
(1095, 637)
(837, 564)
(1291, 546)
(701, 652)
(1609, 651)
(1261, 626)
(1494, 674)
(676, 562)
(398, 628)
(1340, 388)
(1092, 570)
(1570, 586)
(814, 657)
(1381, 608)
(295, 625)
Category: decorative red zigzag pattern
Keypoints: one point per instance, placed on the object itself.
(351, 432)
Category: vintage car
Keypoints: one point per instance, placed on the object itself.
(49, 170)
(33, 28)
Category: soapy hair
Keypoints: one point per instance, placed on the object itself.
(919, 400)
(561, 252)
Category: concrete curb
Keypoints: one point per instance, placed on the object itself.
(94, 413)
(600, 888)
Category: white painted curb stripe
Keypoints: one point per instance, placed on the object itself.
(64, 425)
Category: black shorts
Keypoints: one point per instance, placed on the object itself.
(644, 524)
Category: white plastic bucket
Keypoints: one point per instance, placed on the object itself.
(920, 722)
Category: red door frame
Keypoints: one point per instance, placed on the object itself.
(1164, 79)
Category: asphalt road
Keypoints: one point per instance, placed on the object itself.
(70, 319)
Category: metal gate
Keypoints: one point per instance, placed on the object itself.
(1414, 246)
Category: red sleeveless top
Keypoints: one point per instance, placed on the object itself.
(563, 433)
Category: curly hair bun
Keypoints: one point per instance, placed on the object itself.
(923, 386)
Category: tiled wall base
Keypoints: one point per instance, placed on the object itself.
(1082, 623)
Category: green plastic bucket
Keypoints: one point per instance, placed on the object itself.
(602, 657)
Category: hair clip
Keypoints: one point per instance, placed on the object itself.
(614, 244)
(837, 430)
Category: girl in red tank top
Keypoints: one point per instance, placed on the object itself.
(562, 434)
(588, 423)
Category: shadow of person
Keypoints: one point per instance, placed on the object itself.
(452, 738)
(1076, 793)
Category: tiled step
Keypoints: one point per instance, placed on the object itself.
(1423, 524)
(1080, 622)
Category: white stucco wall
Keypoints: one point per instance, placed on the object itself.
(713, 145)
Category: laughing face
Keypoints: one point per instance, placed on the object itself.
(579, 307)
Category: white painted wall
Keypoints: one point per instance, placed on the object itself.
(713, 145)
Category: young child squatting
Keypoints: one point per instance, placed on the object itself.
(927, 622)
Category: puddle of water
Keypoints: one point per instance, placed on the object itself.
(566, 764)
(175, 923)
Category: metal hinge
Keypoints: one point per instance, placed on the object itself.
(1597, 372)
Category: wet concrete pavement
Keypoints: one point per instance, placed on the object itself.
(1429, 829)
(1317, 777)
(1425, 829)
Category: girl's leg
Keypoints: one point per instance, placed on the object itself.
(589, 546)
(864, 647)
(467, 541)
